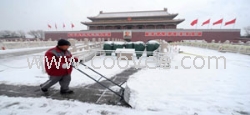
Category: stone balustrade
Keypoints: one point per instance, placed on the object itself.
(241, 47)
(76, 44)
(25, 44)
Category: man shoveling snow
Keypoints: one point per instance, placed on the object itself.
(60, 72)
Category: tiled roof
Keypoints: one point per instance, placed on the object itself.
(133, 14)
(135, 22)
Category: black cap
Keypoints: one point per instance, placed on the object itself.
(63, 42)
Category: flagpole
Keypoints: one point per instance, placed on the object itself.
(234, 22)
(196, 24)
(208, 24)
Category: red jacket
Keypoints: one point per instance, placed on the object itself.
(60, 57)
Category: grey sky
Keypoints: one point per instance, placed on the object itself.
(36, 14)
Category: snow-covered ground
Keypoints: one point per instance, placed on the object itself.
(188, 91)
(153, 91)
(16, 71)
(23, 50)
(43, 106)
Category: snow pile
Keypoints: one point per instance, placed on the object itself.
(139, 42)
(108, 42)
(119, 43)
(129, 42)
(153, 42)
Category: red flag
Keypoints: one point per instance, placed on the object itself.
(206, 22)
(49, 26)
(218, 22)
(194, 22)
(230, 22)
(55, 26)
(63, 25)
(72, 25)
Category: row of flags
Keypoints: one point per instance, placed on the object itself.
(195, 22)
(72, 26)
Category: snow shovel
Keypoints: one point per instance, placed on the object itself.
(120, 93)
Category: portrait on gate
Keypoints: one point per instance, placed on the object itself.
(127, 34)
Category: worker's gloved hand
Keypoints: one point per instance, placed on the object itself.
(64, 66)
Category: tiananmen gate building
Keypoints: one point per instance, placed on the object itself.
(143, 26)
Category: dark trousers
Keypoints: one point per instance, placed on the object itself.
(63, 81)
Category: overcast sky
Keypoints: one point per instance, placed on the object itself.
(36, 14)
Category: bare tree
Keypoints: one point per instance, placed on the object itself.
(247, 30)
(7, 34)
(21, 34)
(36, 33)
(33, 33)
(1, 34)
(40, 33)
(14, 34)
